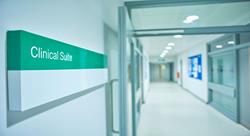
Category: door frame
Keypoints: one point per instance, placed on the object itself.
(134, 61)
(123, 69)
(181, 73)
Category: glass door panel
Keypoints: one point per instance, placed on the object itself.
(223, 71)
(222, 84)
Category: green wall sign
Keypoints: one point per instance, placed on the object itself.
(27, 51)
(41, 70)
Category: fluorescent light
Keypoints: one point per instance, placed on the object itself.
(171, 44)
(187, 21)
(191, 19)
(162, 56)
(219, 46)
(230, 42)
(168, 48)
(165, 51)
(178, 36)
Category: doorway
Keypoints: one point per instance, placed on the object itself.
(162, 72)
(166, 29)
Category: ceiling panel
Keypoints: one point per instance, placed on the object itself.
(154, 46)
(225, 14)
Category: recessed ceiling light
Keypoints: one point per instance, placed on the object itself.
(178, 36)
(165, 51)
(171, 44)
(168, 48)
(162, 55)
(191, 19)
(187, 21)
(230, 42)
(219, 46)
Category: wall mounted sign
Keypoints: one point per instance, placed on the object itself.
(41, 69)
(195, 67)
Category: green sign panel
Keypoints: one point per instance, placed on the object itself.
(27, 51)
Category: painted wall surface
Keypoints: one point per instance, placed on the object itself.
(77, 22)
(197, 87)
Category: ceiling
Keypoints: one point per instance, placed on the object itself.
(226, 14)
(155, 45)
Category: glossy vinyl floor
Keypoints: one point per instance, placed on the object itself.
(172, 111)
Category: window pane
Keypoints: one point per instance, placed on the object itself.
(222, 42)
(223, 70)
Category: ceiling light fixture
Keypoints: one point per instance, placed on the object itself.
(230, 42)
(171, 44)
(165, 51)
(178, 36)
(168, 48)
(187, 21)
(219, 46)
(163, 54)
(191, 19)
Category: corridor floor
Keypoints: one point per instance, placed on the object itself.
(172, 111)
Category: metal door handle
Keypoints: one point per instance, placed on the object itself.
(112, 107)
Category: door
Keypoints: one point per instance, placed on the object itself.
(119, 89)
(112, 88)
(181, 73)
(154, 72)
(244, 86)
(171, 71)
(165, 72)
(222, 83)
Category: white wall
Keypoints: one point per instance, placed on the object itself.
(77, 22)
(197, 87)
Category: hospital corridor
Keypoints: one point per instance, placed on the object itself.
(125, 68)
